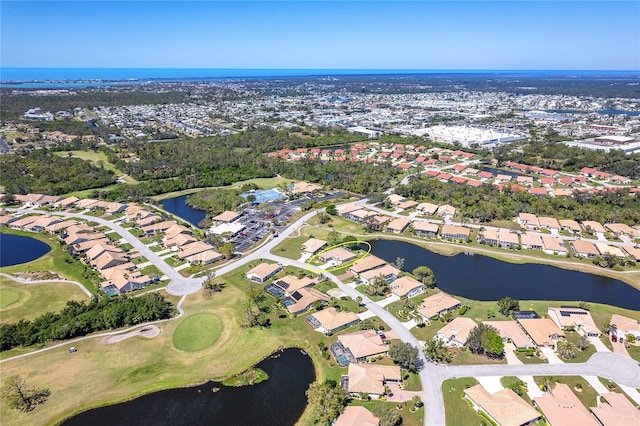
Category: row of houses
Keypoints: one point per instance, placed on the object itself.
(559, 406)
(114, 264)
(533, 222)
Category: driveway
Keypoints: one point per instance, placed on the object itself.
(551, 356)
(599, 344)
(510, 355)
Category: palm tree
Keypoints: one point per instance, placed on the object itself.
(566, 349)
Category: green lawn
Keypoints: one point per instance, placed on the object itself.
(197, 332)
(458, 412)
(413, 382)
(509, 381)
(634, 351)
(581, 356)
(531, 359)
(361, 289)
(28, 301)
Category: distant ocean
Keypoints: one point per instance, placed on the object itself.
(39, 74)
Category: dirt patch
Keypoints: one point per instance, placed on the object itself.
(149, 332)
(37, 275)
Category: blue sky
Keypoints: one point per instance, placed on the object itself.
(331, 34)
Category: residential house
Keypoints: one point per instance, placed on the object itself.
(397, 226)
(622, 229)
(570, 225)
(427, 208)
(437, 304)
(594, 226)
(489, 237)
(407, 205)
(337, 255)
(67, 202)
(504, 408)
(425, 229)
(456, 333)
(364, 344)
(529, 220)
(616, 410)
(109, 259)
(446, 210)
(574, 318)
(290, 284)
(406, 287)
(179, 240)
(554, 245)
(194, 248)
(388, 272)
(542, 331)
(304, 298)
(531, 241)
(548, 223)
(367, 263)
(633, 252)
(329, 320)
(583, 248)
(625, 326)
(370, 379)
(455, 233)
(561, 407)
(313, 245)
(356, 416)
(607, 250)
(509, 239)
(263, 272)
(511, 332)
(61, 226)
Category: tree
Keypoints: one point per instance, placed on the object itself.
(405, 354)
(583, 343)
(378, 286)
(399, 263)
(484, 339)
(227, 250)
(425, 275)
(326, 401)
(436, 351)
(566, 349)
(388, 416)
(18, 396)
(548, 383)
(333, 238)
(255, 317)
(323, 218)
(508, 305)
(331, 209)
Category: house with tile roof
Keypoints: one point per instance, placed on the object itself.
(504, 407)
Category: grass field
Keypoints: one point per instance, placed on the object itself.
(8, 296)
(197, 332)
(408, 418)
(33, 300)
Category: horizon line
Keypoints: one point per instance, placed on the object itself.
(328, 69)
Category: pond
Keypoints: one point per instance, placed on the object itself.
(16, 249)
(280, 400)
(178, 206)
(485, 278)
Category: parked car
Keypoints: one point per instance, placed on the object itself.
(73, 349)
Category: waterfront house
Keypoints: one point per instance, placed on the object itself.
(406, 287)
(489, 237)
(577, 319)
(337, 256)
(455, 233)
(367, 263)
(583, 248)
(397, 226)
(437, 304)
(388, 272)
(542, 331)
(509, 239)
(425, 229)
(554, 245)
(511, 332)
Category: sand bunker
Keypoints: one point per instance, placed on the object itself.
(149, 332)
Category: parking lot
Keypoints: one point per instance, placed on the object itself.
(271, 217)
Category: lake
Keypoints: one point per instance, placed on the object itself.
(278, 401)
(178, 206)
(16, 249)
(485, 278)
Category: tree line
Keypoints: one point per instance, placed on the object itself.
(82, 318)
